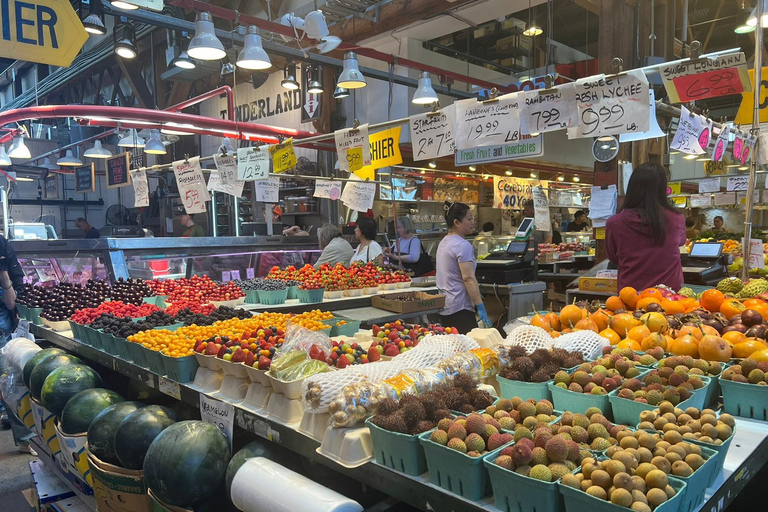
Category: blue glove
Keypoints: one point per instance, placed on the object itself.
(483, 315)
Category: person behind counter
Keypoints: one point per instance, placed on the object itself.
(411, 253)
(368, 249)
(191, 229)
(718, 225)
(579, 222)
(335, 248)
(540, 237)
(487, 229)
(690, 228)
(643, 239)
(88, 230)
(456, 272)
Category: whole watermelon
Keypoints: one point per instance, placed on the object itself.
(101, 433)
(187, 463)
(45, 368)
(137, 431)
(26, 372)
(82, 408)
(252, 449)
(65, 382)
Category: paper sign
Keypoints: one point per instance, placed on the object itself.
(226, 276)
(235, 274)
(600, 233)
(613, 105)
(385, 152)
(487, 123)
(432, 134)
(250, 273)
(548, 111)
(192, 189)
(709, 185)
(140, 189)
(626, 174)
(227, 167)
(214, 183)
(741, 197)
(268, 191)
(541, 209)
(512, 192)
(706, 78)
(22, 330)
(737, 183)
(725, 198)
(218, 413)
(252, 164)
(655, 130)
(283, 156)
(693, 133)
(718, 152)
(327, 189)
(701, 200)
(358, 195)
(347, 140)
(756, 258)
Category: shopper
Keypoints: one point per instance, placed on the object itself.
(335, 248)
(456, 272)
(487, 229)
(191, 229)
(718, 225)
(540, 237)
(643, 239)
(88, 230)
(409, 250)
(690, 228)
(368, 249)
(579, 222)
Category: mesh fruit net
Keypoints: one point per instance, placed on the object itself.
(530, 338)
(589, 343)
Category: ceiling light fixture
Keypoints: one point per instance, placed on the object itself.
(154, 145)
(294, 22)
(576, 179)
(19, 149)
(531, 29)
(125, 40)
(184, 61)
(315, 25)
(94, 22)
(5, 160)
(425, 94)
(131, 140)
(48, 165)
(205, 45)
(561, 178)
(690, 157)
(508, 173)
(97, 151)
(752, 20)
(289, 77)
(351, 77)
(313, 84)
(534, 175)
(253, 56)
(472, 168)
(227, 69)
(432, 164)
(744, 29)
(69, 160)
(340, 92)
(119, 4)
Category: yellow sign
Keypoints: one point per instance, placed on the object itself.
(385, 152)
(283, 156)
(44, 31)
(355, 158)
(746, 109)
(600, 233)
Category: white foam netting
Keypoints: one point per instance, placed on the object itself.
(318, 391)
(589, 343)
(530, 338)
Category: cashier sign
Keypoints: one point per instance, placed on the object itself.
(385, 152)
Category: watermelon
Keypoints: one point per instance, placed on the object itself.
(44, 368)
(187, 463)
(65, 382)
(252, 449)
(82, 408)
(27, 371)
(101, 433)
(137, 431)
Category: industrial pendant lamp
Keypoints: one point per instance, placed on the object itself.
(125, 41)
(183, 60)
(752, 20)
(48, 165)
(205, 45)
(351, 77)
(227, 69)
(19, 149)
(131, 140)
(69, 160)
(289, 81)
(154, 145)
(253, 56)
(119, 4)
(313, 84)
(97, 151)
(531, 29)
(340, 93)
(94, 23)
(5, 160)
(425, 94)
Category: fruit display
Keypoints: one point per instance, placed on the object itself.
(115, 308)
(255, 348)
(137, 431)
(204, 290)
(394, 338)
(473, 435)
(65, 298)
(123, 327)
(748, 371)
(521, 416)
(691, 366)
(702, 425)
(647, 358)
(161, 286)
(666, 384)
(733, 287)
(591, 430)
(344, 354)
(540, 366)
(295, 365)
(188, 317)
(101, 432)
(65, 382)
(190, 307)
(546, 457)
(82, 408)
(130, 291)
(411, 414)
(599, 377)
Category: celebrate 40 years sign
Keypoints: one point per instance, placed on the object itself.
(513, 192)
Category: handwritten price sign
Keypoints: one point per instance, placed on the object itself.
(693, 132)
(549, 111)
(140, 189)
(252, 164)
(488, 124)
(718, 152)
(432, 134)
(192, 188)
(355, 159)
(706, 78)
(353, 147)
(283, 156)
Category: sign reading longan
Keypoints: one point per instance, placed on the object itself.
(117, 171)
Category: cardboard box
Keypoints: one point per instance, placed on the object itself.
(423, 302)
(118, 489)
(598, 284)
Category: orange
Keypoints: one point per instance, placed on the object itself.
(731, 308)
(615, 303)
(672, 307)
(602, 318)
(690, 329)
(747, 347)
(611, 336)
(651, 292)
(656, 322)
(685, 345)
(541, 321)
(761, 356)
(653, 340)
(715, 348)
(586, 324)
(646, 301)
(734, 338)
(629, 296)
(712, 300)
(623, 322)
(628, 343)
(638, 333)
(570, 315)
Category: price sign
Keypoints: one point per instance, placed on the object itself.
(600, 233)
(192, 189)
(718, 152)
(140, 189)
(548, 111)
(706, 78)
(432, 134)
(701, 200)
(235, 274)
(725, 198)
(250, 273)
(737, 183)
(218, 413)
(22, 330)
(512, 192)
(355, 159)
(327, 189)
(225, 178)
(541, 209)
(117, 171)
(709, 185)
(85, 179)
(252, 164)
(226, 275)
(756, 257)
(283, 156)
(268, 191)
(353, 148)
(741, 197)
(358, 195)
(487, 123)
(693, 132)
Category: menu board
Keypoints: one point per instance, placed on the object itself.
(85, 181)
(117, 171)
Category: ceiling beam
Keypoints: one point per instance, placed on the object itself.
(712, 27)
(592, 6)
(132, 73)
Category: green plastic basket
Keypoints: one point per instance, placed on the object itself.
(577, 500)
(311, 296)
(160, 301)
(150, 300)
(293, 292)
(252, 296)
(180, 369)
(121, 346)
(350, 328)
(513, 492)
(76, 332)
(719, 457)
(272, 297)
(96, 340)
(566, 400)
(525, 390)
(34, 316)
(627, 412)
(745, 400)
(697, 483)
(154, 361)
(171, 327)
(454, 471)
(107, 343)
(138, 354)
(23, 311)
(401, 452)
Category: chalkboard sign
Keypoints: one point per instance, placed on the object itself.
(84, 179)
(117, 171)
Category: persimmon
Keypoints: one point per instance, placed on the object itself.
(611, 336)
(629, 296)
(714, 348)
(615, 303)
(731, 308)
(712, 300)
(651, 292)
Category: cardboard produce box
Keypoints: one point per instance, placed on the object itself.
(598, 284)
(423, 302)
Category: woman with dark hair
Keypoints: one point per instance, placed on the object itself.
(643, 239)
(369, 249)
(456, 272)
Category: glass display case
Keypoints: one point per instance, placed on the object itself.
(486, 244)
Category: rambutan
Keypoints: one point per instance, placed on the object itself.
(465, 382)
(480, 399)
(388, 406)
(413, 413)
(541, 375)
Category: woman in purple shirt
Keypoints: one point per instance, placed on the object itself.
(456, 272)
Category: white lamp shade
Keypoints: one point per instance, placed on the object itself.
(315, 25)
(253, 56)
(184, 61)
(131, 140)
(425, 94)
(5, 160)
(154, 145)
(48, 165)
(351, 77)
(97, 151)
(69, 160)
(752, 20)
(19, 149)
(205, 45)
(289, 20)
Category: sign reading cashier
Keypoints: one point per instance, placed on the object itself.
(44, 31)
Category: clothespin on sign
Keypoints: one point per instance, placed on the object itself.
(494, 93)
(435, 110)
(617, 66)
(549, 80)
(695, 49)
(604, 186)
(691, 109)
(354, 130)
(186, 158)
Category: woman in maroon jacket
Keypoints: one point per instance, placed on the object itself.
(643, 239)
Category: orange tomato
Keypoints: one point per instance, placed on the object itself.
(615, 303)
(629, 296)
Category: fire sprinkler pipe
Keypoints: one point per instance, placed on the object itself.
(224, 89)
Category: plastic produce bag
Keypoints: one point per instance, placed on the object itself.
(302, 339)
(302, 354)
(300, 370)
(357, 402)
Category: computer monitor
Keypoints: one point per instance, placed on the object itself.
(706, 250)
(526, 226)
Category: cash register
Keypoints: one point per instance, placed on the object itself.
(705, 264)
(515, 264)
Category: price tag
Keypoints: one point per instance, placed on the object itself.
(721, 143)
(169, 387)
(550, 111)
(250, 273)
(355, 159)
(358, 195)
(235, 274)
(600, 233)
(252, 164)
(327, 189)
(218, 413)
(353, 148)
(541, 209)
(737, 183)
(725, 198)
(140, 189)
(706, 78)
(489, 123)
(701, 200)
(226, 275)
(268, 191)
(741, 197)
(693, 133)
(22, 330)
(283, 156)
(756, 258)
(432, 134)
(192, 187)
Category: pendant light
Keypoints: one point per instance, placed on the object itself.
(49, 165)
(94, 23)
(253, 56)
(425, 94)
(5, 160)
(119, 4)
(154, 145)
(752, 20)
(97, 151)
(289, 81)
(19, 149)
(531, 29)
(184, 61)
(227, 69)
(351, 77)
(131, 140)
(340, 92)
(69, 160)
(125, 40)
(205, 45)
(313, 84)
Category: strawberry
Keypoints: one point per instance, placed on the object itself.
(373, 355)
(392, 350)
(264, 363)
(342, 362)
(249, 358)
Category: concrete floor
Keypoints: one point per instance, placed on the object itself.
(14, 475)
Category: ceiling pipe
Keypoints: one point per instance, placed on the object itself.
(224, 89)
(12, 132)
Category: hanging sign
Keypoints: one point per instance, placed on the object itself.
(527, 147)
(725, 198)
(718, 152)
(741, 197)
(252, 164)
(693, 133)
(227, 175)
(353, 148)
(268, 191)
(512, 192)
(327, 189)
(358, 195)
(283, 156)
(701, 200)
(214, 183)
(737, 183)
(541, 209)
(746, 110)
(716, 168)
(709, 185)
(612, 105)
(746, 150)
(218, 413)
(548, 111)
(140, 189)
(706, 78)
(385, 152)
(487, 123)
(655, 130)
(756, 255)
(432, 134)
(738, 147)
(85, 181)
(192, 189)
(117, 171)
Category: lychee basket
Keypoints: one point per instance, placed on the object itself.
(454, 471)
(513, 492)
(697, 483)
(577, 500)
(745, 400)
(566, 400)
(627, 412)
(273, 297)
(525, 390)
(401, 452)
